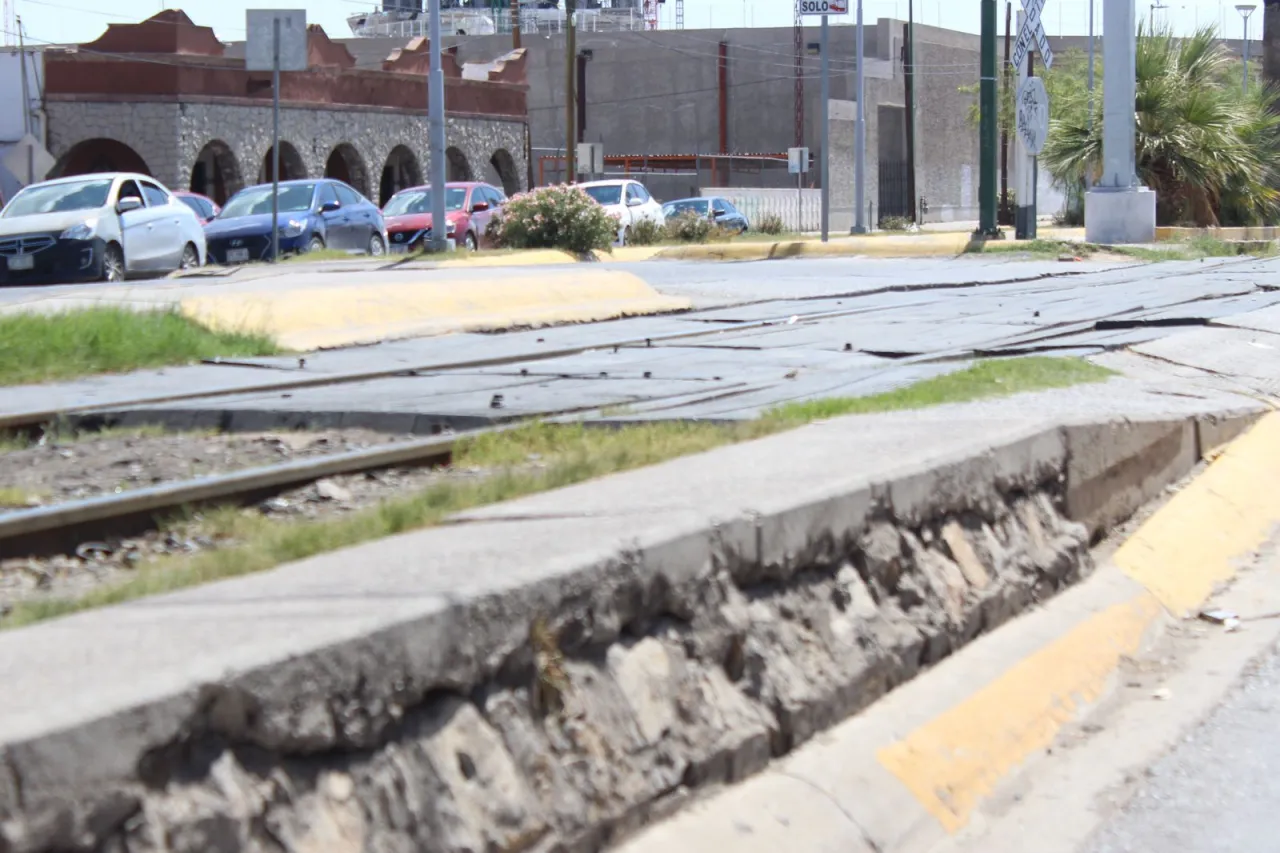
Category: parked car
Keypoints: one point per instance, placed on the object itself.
(99, 227)
(468, 208)
(627, 200)
(313, 215)
(204, 207)
(718, 210)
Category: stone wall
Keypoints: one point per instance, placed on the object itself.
(169, 138)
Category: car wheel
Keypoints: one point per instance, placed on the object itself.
(316, 244)
(376, 247)
(469, 242)
(190, 257)
(112, 263)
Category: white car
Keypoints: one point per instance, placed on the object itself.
(627, 200)
(98, 227)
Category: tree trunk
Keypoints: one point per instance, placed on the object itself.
(1271, 41)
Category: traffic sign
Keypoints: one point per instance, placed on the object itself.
(1033, 115)
(1032, 33)
(824, 7)
(797, 160)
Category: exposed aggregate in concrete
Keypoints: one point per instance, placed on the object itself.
(634, 695)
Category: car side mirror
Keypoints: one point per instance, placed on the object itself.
(479, 206)
(720, 211)
(329, 206)
(127, 204)
(634, 202)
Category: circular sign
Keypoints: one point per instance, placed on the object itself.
(1033, 114)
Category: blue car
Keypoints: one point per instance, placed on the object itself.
(314, 214)
(718, 210)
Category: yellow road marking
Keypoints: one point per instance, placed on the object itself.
(1190, 544)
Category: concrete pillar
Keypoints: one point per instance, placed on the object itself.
(1118, 209)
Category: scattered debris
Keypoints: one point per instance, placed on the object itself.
(1162, 695)
(1226, 618)
(328, 490)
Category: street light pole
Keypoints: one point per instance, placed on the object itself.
(1245, 10)
(435, 104)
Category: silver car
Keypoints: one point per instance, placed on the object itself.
(99, 227)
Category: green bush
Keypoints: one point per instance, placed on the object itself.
(690, 227)
(555, 217)
(646, 232)
(770, 223)
(895, 223)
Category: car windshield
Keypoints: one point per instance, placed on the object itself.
(695, 205)
(255, 200)
(58, 198)
(419, 201)
(609, 194)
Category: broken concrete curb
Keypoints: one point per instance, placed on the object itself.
(398, 696)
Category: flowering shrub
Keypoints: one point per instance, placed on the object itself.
(646, 232)
(690, 227)
(556, 217)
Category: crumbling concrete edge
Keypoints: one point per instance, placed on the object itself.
(565, 713)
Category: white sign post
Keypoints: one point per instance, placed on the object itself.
(825, 9)
(798, 164)
(276, 40)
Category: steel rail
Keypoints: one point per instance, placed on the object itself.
(52, 528)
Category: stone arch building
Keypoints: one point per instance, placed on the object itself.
(162, 97)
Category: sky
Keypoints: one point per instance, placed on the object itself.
(53, 21)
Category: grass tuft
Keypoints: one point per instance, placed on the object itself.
(532, 458)
(82, 342)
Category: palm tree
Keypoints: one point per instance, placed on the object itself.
(1271, 41)
(1211, 153)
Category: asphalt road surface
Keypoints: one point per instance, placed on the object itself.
(1218, 791)
(764, 333)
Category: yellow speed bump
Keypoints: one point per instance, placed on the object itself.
(306, 318)
(1191, 544)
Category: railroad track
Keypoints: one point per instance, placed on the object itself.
(60, 528)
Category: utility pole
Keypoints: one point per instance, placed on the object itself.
(987, 226)
(910, 77)
(860, 139)
(826, 127)
(275, 140)
(1004, 131)
(435, 102)
(570, 93)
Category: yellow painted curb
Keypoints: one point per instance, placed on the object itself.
(1264, 232)
(527, 258)
(311, 318)
(1188, 546)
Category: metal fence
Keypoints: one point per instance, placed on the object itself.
(894, 196)
(799, 210)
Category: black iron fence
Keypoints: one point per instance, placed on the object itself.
(895, 190)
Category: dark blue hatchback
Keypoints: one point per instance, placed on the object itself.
(314, 214)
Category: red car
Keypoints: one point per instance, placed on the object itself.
(203, 206)
(468, 208)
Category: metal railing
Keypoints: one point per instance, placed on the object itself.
(481, 21)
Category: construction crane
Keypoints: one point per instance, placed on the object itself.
(10, 25)
(798, 38)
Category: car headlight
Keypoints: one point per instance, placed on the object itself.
(83, 231)
(451, 223)
(292, 228)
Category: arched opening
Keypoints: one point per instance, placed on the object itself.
(458, 169)
(216, 172)
(99, 155)
(400, 172)
(291, 166)
(505, 166)
(345, 164)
